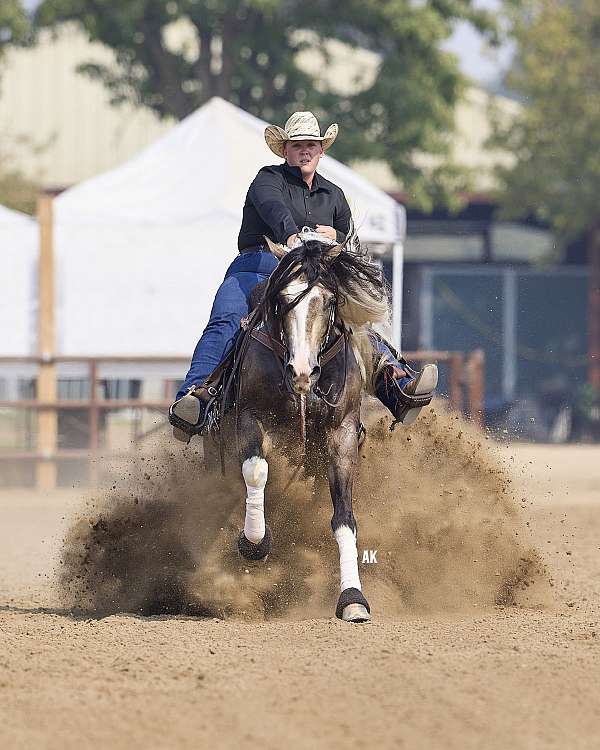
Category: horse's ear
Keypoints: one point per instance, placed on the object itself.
(277, 249)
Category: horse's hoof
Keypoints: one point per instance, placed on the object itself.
(355, 613)
(255, 552)
(352, 606)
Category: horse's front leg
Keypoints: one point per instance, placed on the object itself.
(255, 541)
(343, 455)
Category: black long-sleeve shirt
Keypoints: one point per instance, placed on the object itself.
(279, 203)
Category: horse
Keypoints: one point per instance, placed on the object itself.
(299, 370)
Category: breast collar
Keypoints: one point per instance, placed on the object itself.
(329, 352)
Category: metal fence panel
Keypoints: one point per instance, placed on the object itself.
(552, 331)
(467, 314)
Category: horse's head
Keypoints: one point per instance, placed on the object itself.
(314, 285)
(305, 328)
(301, 298)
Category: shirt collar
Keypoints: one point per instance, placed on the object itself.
(318, 182)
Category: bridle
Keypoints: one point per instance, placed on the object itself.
(327, 351)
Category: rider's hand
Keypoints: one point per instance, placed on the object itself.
(292, 241)
(329, 232)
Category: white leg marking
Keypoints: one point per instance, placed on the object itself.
(348, 558)
(255, 471)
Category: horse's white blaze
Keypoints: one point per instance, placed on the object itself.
(303, 355)
(346, 540)
(255, 471)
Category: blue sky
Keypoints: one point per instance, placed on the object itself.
(475, 60)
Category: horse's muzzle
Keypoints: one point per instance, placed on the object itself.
(301, 383)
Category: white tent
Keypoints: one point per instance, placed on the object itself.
(18, 251)
(141, 250)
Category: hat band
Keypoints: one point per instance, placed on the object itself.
(308, 135)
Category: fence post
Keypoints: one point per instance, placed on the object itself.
(47, 421)
(475, 368)
(455, 380)
(594, 308)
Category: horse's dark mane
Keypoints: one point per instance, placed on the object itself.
(350, 276)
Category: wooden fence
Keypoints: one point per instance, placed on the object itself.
(465, 378)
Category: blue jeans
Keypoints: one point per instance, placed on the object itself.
(230, 306)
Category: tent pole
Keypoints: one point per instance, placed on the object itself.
(397, 279)
(47, 426)
(398, 276)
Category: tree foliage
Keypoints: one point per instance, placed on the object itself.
(248, 52)
(14, 23)
(556, 138)
(16, 190)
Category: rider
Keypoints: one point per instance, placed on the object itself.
(281, 199)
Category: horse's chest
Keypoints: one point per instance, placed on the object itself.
(288, 414)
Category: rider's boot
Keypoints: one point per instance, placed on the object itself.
(403, 394)
(188, 413)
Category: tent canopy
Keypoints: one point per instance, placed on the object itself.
(141, 249)
(18, 250)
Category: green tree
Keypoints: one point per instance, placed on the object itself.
(247, 51)
(556, 139)
(16, 191)
(14, 24)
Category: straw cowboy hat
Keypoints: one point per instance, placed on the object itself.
(302, 126)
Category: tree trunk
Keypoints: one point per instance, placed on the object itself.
(594, 306)
(202, 64)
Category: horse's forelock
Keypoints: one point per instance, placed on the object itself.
(306, 263)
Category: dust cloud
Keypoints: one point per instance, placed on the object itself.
(433, 501)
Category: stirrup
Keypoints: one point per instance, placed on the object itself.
(415, 396)
(189, 414)
(410, 402)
